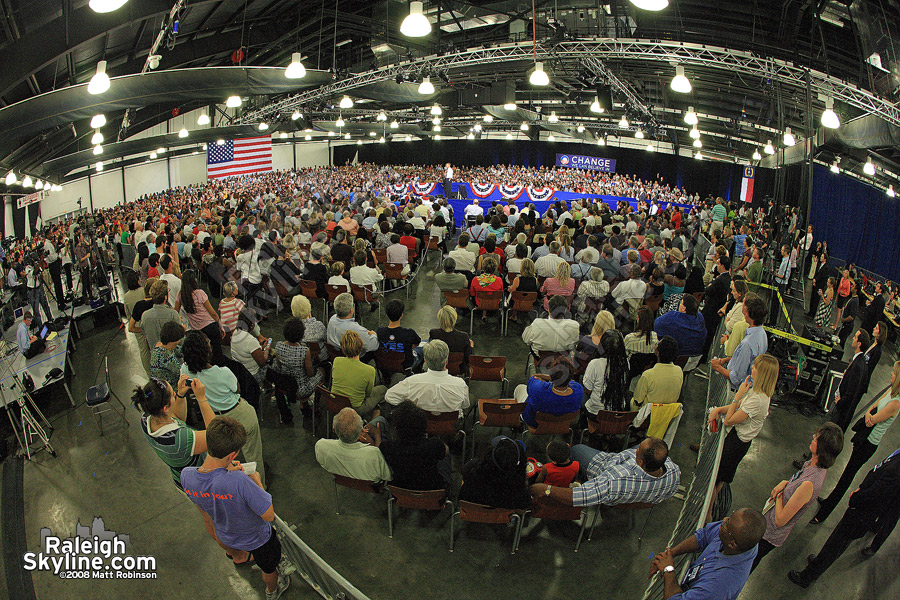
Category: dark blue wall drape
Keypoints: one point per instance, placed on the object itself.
(860, 222)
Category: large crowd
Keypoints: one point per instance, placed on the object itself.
(616, 304)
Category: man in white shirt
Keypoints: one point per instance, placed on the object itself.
(364, 275)
(473, 210)
(202, 234)
(414, 219)
(463, 256)
(633, 289)
(546, 265)
(342, 321)
(170, 277)
(435, 390)
(555, 333)
(561, 219)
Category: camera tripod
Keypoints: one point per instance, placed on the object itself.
(27, 427)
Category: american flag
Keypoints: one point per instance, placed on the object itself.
(239, 157)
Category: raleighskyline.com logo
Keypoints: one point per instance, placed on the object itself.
(92, 553)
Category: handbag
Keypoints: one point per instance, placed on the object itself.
(862, 431)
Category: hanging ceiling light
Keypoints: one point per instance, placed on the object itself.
(639, 134)
(477, 127)
(623, 123)
(509, 106)
(890, 191)
(553, 118)
(595, 106)
(359, 142)
(26, 182)
(295, 70)
(233, 101)
(769, 149)
(10, 178)
(340, 122)
(789, 139)
(381, 140)
(695, 133)
(437, 137)
(381, 116)
(97, 138)
(436, 128)
(550, 138)
(653, 5)
(220, 142)
(426, 87)
(346, 102)
(163, 150)
(283, 135)
(394, 124)
(601, 141)
(539, 75)
(869, 167)
(524, 127)
(372, 133)
(415, 24)
(436, 110)
(698, 143)
(295, 115)
(331, 134)
(835, 168)
(698, 156)
(98, 121)
(690, 117)
(756, 154)
(98, 149)
(183, 132)
(105, 6)
(307, 137)
(829, 117)
(203, 119)
(436, 121)
(100, 81)
(680, 83)
(580, 129)
(488, 118)
(408, 138)
(152, 155)
(39, 185)
(346, 136)
(650, 147)
(204, 146)
(99, 166)
(509, 136)
(262, 127)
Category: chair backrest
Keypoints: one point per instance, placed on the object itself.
(455, 362)
(547, 508)
(635, 505)
(489, 300)
(545, 358)
(487, 368)
(457, 299)
(442, 423)
(411, 255)
(314, 349)
(611, 422)
(653, 302)
(391, 362)
(393, 270)
(523, 301)
(362, 294)
(333, 352)
(548, 424)
(380, 255)
(501, 414)
(479, 513)
(363, 485)
(309, 288)
(687, 362)
(419, 500)
(334, 403)
(433, 243)
(334, 291)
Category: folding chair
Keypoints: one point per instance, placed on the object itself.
(380, 255)
(479, 513)
(333, 291)
(631, 506)
(455, 363)
(434, 500)
(362, 485)
(333, 403)
(389, 363)
(98, 399)
(445, 424)
(434, 243)
(520, 302)
(488, 368)
(363, 295)
(458, 300)
(610, 422)
(394, 272)
(653, 302)
(498, 413)
(487, 301)
(310, 289)
(544, 358)
(548, 509)
(548, 424)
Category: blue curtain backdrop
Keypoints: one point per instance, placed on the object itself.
(860, 222)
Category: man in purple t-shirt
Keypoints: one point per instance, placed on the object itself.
(240, 509)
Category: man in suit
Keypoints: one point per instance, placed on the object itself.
(851, 388)
(715, 297)
(872, 505)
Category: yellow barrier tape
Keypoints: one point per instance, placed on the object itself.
(798, 339)
(780, 301)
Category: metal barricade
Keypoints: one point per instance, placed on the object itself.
(318, 574)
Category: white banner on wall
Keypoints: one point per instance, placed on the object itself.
(24, 201)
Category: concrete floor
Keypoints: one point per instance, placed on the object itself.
(118, 477)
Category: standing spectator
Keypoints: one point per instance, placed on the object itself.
(826, 304)
(200, 313)
(848, 313)
(154, 318)
(843, 294)
(249, 349)
(850, 389)
(165, 361)
(874, 309)
(134, 323)
(755, 343)
(714, 300)
(247, 261)
(230, 307)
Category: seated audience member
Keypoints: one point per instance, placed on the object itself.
(435, 390)
(727, 549)
(560, 470)
(633, 258)
(644, 473)
(582, 268)
(154, 318)
(686, 325)
(222, 393)
(342, 321)
(240, 509)
(396, 338)
(347, 455)
(546, 265)
(490, 252)
(591, 294)
(661, 384)
(555, 333)
(631, 289)
(364, 275)
(554, 393)
(293, 358)
(457, 341)
(314, 331)
(449, 280)
(561, 284)
(514, 261)
(608, 263)
(29, 345)
(497, 479)
(250, 350)
(398, 253)
(643, 339)
(606, 378)
(165, 360)
(355, 379)
(337, 275)
(525, 280)
(464, 255)
(488, 281)
(417, 462)
(754, 343)
(589, 345)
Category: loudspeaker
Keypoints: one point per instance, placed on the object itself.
(604, 96)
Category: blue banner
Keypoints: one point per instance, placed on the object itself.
(592, 163)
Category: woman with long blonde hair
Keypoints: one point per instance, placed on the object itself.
(561, 285)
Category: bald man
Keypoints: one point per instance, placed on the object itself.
(727, 549)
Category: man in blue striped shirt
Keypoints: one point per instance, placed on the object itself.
(644, 473)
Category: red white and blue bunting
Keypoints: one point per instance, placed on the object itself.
(423, 189)
(483, 190)
(398, 188)
(511, 192)
(540, 194)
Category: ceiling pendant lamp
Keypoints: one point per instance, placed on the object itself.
(152, 155)
(163, 150)
(359, 142)
(97, 138)
(539, 75)
(553, 118)
(394, 124)
(890, 191)
(283, 135)
(789, 139)
(509, 106)
(757, 155)
(105, 6)
(100, 81)
(653, 5)
(488, 118)
(10, 178)
(580, 129)
(307, 137)
(829, 117)
(690, 117)
(415, 24)
(435, 128)
(408, 138)
(639, 134)
(835, 168)
(695, 134)
(680, 83)
(26, 182)
(601, 141)
(436, 121)
(698, 143)
(769, 149)
(220, 142)
(98, 149)
(524, 127)
(381, 140)
(98, 121)
(39, 185)
(623, 123)
(99, 166)
(295, 70)
(233, 101)
(595, 106)
(698, 156)
(346, 102)
(295, 115)
(650, 147)
(203, 119)
(509, 136)
(426, 87)
(346, 136)
(381, 116)
(183, 132)
(869, 168)
(550, 138)
(436, 110)
(339, 122)
(437, 137)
